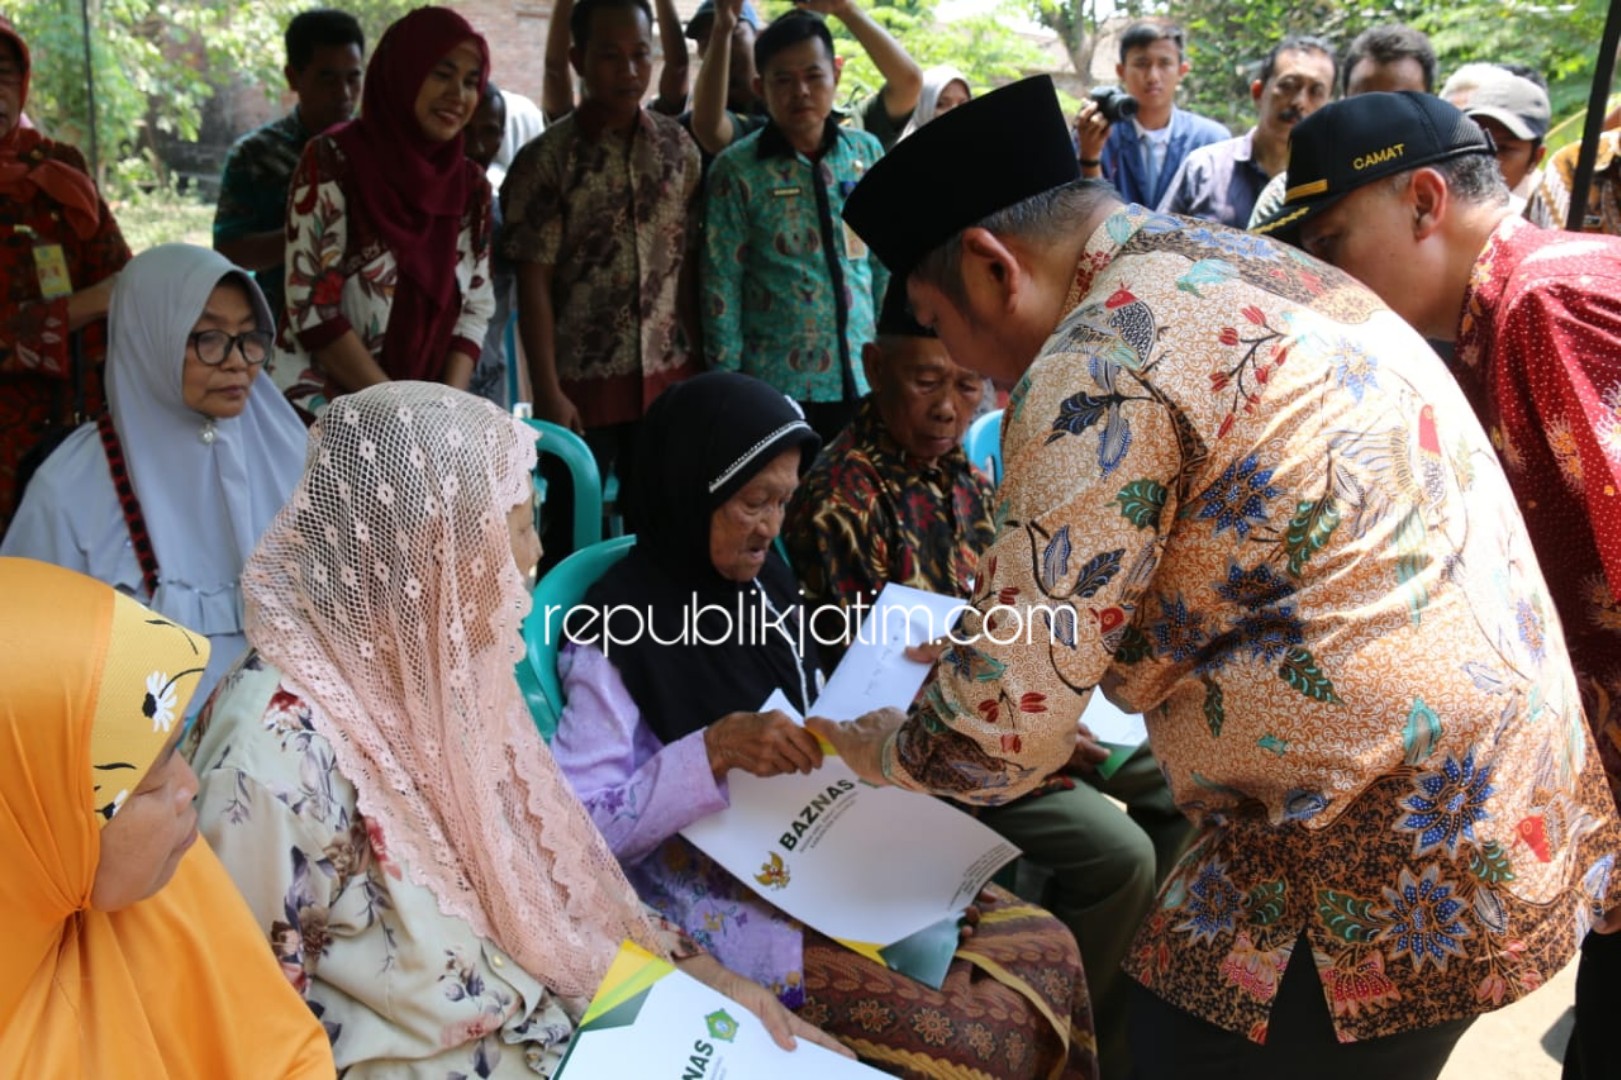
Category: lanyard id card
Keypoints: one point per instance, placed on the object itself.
(854, 246)
(52, 267)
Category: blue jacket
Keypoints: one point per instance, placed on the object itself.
(1123, 154)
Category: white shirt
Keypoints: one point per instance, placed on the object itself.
(1156, 145)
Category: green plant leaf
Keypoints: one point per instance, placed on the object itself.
(1349, 918)
(1421, 733)
(1134, 646)
(1491, 864)
(1300, 670)
(1265, 903)
(1141, 503)
(1215, 714)
(1309, 530)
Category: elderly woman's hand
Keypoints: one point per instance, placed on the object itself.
(765, 744)
(782, 1025)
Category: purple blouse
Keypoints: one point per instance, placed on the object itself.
(641, 794)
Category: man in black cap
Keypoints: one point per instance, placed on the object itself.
(1402, 191)
(1246, 500)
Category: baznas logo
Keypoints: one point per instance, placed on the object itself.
(773, 873)
(721, 1026)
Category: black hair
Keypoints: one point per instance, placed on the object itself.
(1386, 45)
(320, 28)
(788, 30)
(1296, 43)
(895, 318)
(1524, 71)
(1037, 219)
(579, 20)
(1472, 179)
(492, 92)
(1140, 35)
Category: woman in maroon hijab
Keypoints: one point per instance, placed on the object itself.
(60, 250)
(388, 230)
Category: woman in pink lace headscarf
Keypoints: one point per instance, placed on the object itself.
(370, 774)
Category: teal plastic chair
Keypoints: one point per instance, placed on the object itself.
(510, 338)
(563, 444)
(563, 587)
(984, 444)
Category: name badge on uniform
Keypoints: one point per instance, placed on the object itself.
(52, 267)
(854, 246)
(785, 192)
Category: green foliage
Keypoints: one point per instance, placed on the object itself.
(982, 47)
(164, 217)
(1227, 39)
(156, 65)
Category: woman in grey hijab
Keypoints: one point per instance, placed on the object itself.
(165, 497)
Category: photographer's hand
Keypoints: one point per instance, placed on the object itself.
(1091, 132)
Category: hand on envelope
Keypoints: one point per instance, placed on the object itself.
(1088, 753)
(763, 743)
(861, 742)
(783, 1025)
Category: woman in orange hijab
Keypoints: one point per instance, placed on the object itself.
(128, 952)
(60, 250)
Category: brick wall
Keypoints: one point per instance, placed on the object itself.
(516, 31)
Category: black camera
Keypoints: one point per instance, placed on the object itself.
(1114, 103)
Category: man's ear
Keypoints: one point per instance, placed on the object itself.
(576, 60)
(990, 268)
(1429, 200)
(291, 76)
(759, 87)
(1256, 88)
(1538, 154)
(872, 364)
(838, 69)
(1120, 73)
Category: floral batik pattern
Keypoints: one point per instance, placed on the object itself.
(616, 222)
(1253, 500)
(34, 336)
(868, 514)
(1539, 357)
(351, 931)
(980, 1022)
(340, 276)
(774, 295)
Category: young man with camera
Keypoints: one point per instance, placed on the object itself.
(1140, 152)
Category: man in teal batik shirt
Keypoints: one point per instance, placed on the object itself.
(789, 294)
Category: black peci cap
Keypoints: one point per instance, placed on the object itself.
(1351, 143)
(895, 318)
(983, 156)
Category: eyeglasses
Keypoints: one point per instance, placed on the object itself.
(213, 346)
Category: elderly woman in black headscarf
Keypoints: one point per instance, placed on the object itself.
(653, 725)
